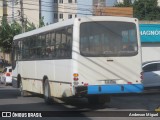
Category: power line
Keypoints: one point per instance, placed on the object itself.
(49, 10)
(64, 7)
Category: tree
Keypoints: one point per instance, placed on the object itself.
(30, 26)
(146, 10)
(41, 22)
(7, 33)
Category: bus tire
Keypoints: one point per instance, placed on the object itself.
(23, 93)
(46, 92)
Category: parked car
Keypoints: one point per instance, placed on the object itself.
(151, 74)
(6, 76)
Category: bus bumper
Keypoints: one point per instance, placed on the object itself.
(109, 89)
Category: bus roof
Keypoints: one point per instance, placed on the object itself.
(71, 22)
(45, 29)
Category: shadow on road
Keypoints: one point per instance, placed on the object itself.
(10, 100)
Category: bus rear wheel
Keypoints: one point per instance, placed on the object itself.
(47, 94)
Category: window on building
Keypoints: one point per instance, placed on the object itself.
(61, 16)
(69, 16)
(55, 16)
(69, 1)
(60, 1)
(55, 1)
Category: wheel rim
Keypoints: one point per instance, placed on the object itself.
(21, 88)
(46, 90)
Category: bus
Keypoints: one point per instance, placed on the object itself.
(90, 57)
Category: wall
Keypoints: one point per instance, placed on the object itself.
(150, 51)
(114, 11)
(5, 56)
(150, 40)
(31, 11)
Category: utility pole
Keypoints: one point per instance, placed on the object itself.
(22, 16)
(4, 8)
(12, 10)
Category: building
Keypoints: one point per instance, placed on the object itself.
(99, 3)
(48, 10)
(114, 11)
(30, 8)
(67, 9)
(84, 7)
(108, 3)
(121, 1)
(1, 8)
(59, 10)
(158, 2)
(150, 40)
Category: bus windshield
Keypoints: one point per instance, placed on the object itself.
(108, 38)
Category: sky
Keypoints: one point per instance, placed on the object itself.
(110, 2)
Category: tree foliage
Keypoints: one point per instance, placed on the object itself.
(146, 10)
(143, 9)
(8, 31)
(41, 22)
(126, 3)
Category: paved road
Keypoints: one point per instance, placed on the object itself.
(10, 100)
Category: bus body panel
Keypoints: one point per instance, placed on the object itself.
(114, 89)
(97, 75)
(58, 72)
(109, 73)
(100, 71)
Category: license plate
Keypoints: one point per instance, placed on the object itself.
(110, 82)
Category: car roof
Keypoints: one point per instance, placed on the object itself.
(149, 62)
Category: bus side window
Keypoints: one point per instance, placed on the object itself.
(58, 42)
(53, 44)
(69, 42)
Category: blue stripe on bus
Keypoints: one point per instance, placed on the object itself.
(113, 89)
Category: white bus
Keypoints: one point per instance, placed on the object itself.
(89, 57)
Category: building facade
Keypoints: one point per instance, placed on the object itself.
(30, 8)
(150, 40)
(1, 8)
(57, 10)
(66, 9)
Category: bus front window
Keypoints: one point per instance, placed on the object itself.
(110, 38)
